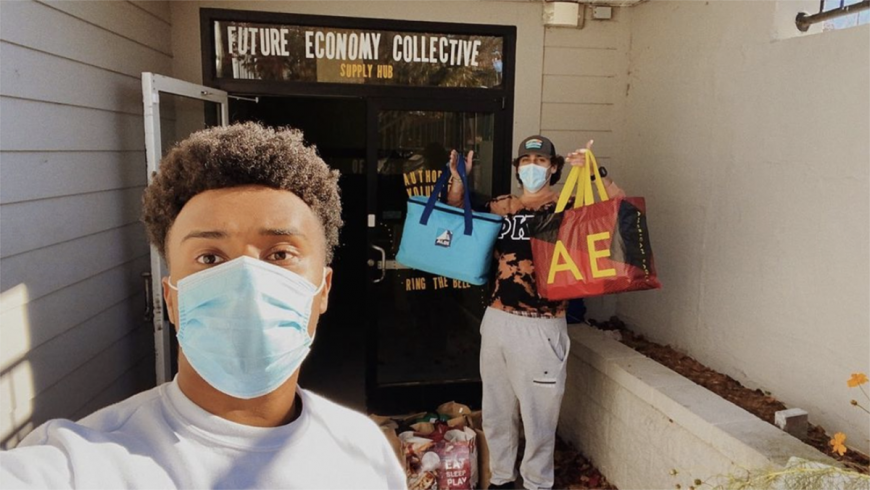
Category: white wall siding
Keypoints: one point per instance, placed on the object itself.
(573, 89)
(580, 117)
(585, 73)
(73, 337)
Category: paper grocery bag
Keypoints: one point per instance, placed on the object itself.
(459, 460)
(388, 426)
(453, 409)
(475, 422)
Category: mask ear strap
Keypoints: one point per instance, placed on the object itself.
(322, 284)
(169, 281)
(315, 293)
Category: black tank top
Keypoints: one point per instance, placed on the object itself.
(514, 288)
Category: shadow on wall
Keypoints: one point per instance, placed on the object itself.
(69, 375)
(73, 337)
(16, 376)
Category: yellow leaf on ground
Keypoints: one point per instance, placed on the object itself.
(837, 443)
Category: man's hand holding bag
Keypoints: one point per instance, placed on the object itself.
(594, 248)
(448, 241)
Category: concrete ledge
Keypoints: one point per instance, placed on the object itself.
(645, 426)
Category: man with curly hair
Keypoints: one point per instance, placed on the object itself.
(247, 218)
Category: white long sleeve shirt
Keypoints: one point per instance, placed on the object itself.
(161, 439)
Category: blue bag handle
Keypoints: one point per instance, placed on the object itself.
(440, 184)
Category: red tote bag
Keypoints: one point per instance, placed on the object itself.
(594, 248)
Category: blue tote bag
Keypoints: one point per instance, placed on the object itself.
(448, 241)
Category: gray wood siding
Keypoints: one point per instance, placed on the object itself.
(73, 337)
(29, 176)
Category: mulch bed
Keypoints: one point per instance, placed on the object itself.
(574, 472)
(760, 403)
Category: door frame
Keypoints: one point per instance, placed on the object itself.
(413, 396)
(152, 86)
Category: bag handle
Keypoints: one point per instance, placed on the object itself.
(580, 178)
(440, 184)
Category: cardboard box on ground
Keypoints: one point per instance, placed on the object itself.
(445, 450)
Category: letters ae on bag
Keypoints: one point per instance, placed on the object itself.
(562, 260)
(595, 248)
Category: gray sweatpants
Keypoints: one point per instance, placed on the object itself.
(522, 366)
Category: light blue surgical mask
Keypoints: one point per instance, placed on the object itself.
(534, 176)
(243, 325)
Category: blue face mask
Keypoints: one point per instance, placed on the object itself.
(243, 325)
(534, 176)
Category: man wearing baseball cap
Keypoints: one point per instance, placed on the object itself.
(524, 337)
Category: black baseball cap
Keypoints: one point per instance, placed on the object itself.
(536, 144)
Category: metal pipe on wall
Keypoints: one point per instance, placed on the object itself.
(803, 21)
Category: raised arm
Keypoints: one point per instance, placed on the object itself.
(456, 190)
(577, 158)
(612, 189)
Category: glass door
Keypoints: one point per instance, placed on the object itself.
(423, 339)
(173, 109)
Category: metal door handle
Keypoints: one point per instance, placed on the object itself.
(149, 311)
(382, 263)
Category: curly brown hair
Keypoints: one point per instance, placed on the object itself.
(557, 161)
(237, 155)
